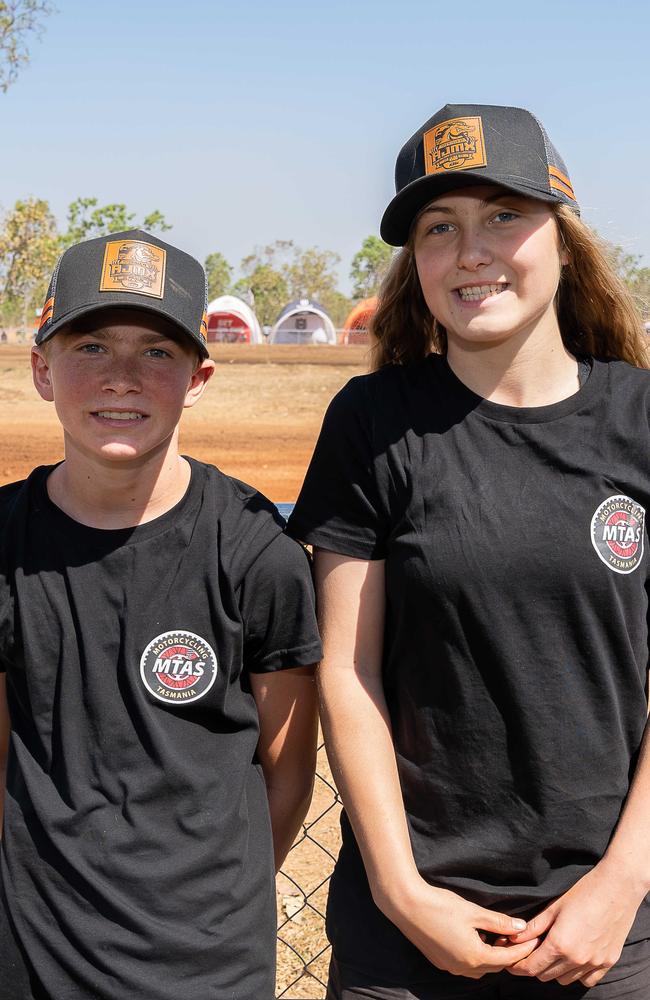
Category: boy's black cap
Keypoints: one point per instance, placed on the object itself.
(131, 269)
(467, 144)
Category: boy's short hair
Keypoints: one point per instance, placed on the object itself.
(133, 270)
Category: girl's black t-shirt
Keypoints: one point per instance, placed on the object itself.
(516, 641)
(137, 857)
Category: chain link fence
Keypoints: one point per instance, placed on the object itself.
(301, 886)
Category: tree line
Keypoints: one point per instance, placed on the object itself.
(268, 278)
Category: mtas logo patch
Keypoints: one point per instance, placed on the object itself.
(178, 667)
(617, 532)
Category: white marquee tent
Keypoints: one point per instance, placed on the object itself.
(232, 321)
(303, 322)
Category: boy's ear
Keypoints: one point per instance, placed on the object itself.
(200, 378)
(41, 374)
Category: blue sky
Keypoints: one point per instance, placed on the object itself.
(246, 122)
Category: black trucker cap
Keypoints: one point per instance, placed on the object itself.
(467, 144)
(131, 269)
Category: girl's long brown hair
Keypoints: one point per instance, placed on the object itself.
(595, 310)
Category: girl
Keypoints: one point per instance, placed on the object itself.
(477, 505)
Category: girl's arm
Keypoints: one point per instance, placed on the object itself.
(445, 927)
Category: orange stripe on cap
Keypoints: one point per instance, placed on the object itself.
(48, 310)
(562, 188)
(203, 331)
(560, 182)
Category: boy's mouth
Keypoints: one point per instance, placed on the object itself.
(476, 293)
(119, 414)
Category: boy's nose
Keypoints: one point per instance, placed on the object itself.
(122, 378)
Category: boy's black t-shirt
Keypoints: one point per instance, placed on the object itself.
(137, 857)
(516, 639)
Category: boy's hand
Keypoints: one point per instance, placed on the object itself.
(451, 932)
(585, 930)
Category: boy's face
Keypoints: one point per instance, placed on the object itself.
(119, 380)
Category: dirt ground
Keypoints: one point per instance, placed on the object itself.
(258, 421)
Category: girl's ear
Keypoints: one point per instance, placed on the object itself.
(41, 374)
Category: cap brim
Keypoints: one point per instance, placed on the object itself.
(86, 310)
(402, 210)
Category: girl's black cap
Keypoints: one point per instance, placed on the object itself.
(133, 270)
(468, 144)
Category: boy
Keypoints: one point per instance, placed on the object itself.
(157, 632)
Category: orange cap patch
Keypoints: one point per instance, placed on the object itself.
(133, 266)
(457, 144)
(203, 329)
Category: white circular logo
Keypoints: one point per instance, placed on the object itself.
(617, 531)
(178, 667)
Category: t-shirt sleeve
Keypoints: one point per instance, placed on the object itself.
(278, 609)
(343, 504)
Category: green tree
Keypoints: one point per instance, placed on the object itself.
(288, 272)
(369, 265)
(310, 274)
(86, 220)
(19, 19)
(337, 306)
(219, 274)
(637, 278)
(29, 247)
(268, 288)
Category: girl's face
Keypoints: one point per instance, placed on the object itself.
(489, 264)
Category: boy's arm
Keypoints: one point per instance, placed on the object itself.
(4, 742)
(287, 707)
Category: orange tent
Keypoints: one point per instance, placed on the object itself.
(355, 328)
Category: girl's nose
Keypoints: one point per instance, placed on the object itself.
(473, 250)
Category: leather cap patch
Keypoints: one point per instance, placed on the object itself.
(133, 266)
(457, 144)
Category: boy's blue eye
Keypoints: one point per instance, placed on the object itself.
(158, 352)
(91, 348)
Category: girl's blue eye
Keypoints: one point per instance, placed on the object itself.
(440, 227)
(505, 216)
